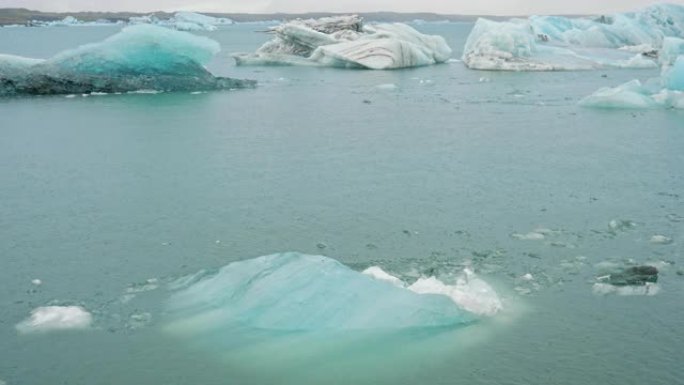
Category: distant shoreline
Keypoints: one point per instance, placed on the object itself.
(22, 16)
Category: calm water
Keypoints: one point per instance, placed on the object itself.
(101, 193)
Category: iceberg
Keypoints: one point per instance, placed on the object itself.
(142, 57)
(547, 43)
(665, 92)
(294, 292)
(184, 21)
(55, 318)
(346, 42)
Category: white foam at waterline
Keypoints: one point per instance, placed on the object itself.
(470, 293)
(55, 318)
(378, 273)
(649, 289)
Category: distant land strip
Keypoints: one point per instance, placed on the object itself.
(22, 16)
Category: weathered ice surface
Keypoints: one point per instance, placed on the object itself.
(545, 43)
(140, 57)
(345, 41)
(297, 292)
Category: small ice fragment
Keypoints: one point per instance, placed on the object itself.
(532, 236)
(55, 318)
(387, 87)
(71, 96)
(621, 224)
(649, 289)
(218, 241)
(661, 240)
(36, 282)
(377, 273)
(484, 80)
(527, 277)
(137, 321)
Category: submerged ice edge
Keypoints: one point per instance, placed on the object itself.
(140, 57)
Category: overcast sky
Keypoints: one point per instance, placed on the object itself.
(501, 7)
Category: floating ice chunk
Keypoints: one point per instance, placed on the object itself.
(381, 275)
(55, 318)
(387, 87)
(470, 292)
(635, 95)
(36, 282)
(629, 95)
(648, 289)
(527, 277)
(138, 57)
(292, 291)
(545, 43)
(531, 236)
(661, 240)
(344, 41)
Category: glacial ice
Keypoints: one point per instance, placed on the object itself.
(142, 57)
(55, 318)
(184, 21)
(545, 43)
(345, 41)
(297, 292)
(469, 291)
(666, 92)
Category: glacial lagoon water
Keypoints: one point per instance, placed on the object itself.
(108, 200)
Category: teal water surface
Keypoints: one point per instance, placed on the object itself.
(99, 194)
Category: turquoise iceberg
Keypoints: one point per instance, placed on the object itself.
(142, 57)
(296, 292)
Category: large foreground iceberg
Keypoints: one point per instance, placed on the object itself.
(545, 43)
(296, 292)
(140, 57)
(345, 41)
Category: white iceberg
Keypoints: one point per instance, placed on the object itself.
(345, 41)
(297, 292)
(70, 21)
(55, 318)
(546, 43)
(184, 21)
(141, 57)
